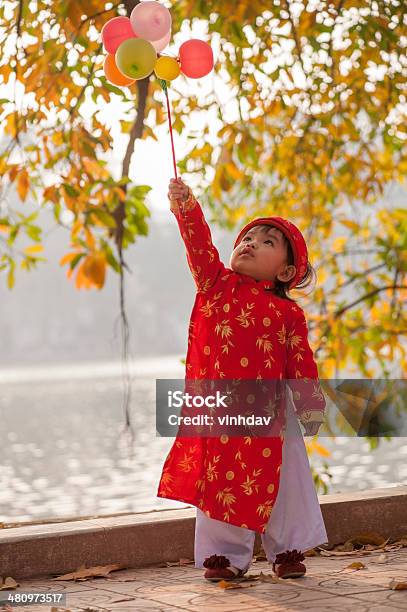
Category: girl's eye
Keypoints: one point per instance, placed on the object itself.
(246, 238)
(269, 241)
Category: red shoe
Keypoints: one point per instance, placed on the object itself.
(289, 564)
(219, 568)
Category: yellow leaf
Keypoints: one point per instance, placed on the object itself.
(81, 280)
(5, 71)
(76, 228)
(57, 138)
(356, 565)
(234, 171)
(397, 585)
(67, 258)
(50, 193)
(338, 243)
(94, 169)
(120, 192)
(11, 125)
(23, 183)
(35, 248)
(322, 275)
(94, 269)
(12, 172)
(90, 240)
(321, 450)
(148, 133)
(351, 224)
(9, 583)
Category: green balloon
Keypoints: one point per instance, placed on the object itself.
(136, 58)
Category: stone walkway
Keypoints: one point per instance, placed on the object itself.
(327, 586)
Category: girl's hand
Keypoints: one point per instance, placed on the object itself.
(311, 428)
(177, 190)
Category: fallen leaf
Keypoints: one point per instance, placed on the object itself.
(112, 579)
(311, 553)
(402, 540)
(335, 553)
(178, 563)
(9, 583)
(249, 577)
(226, 584)
(186, 561)
(397, 586)
(271, 578)
(370, 537)
(393, 546)
(120, 600)
(83, 573)
(357, 565)
(346, 547)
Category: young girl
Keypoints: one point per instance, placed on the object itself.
(244, 326)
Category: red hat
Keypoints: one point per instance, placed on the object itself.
(295, 238)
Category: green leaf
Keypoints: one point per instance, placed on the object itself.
(114, 89)
(112, 261)
(104, 217)
(34, 232)
(71, 191)
(74, 262)
(10, 275)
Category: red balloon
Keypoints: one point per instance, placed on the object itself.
(196, 58)
(115, 31)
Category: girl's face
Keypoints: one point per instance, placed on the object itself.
(262, 254)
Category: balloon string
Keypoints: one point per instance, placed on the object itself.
(172, 139)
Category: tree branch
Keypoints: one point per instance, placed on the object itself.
(355, 278)
(339, 312)
(137, 129)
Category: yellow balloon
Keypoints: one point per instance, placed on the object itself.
(167, 68)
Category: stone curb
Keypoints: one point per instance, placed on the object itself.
(149, 538)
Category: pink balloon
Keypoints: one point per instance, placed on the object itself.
(159, 45)
(115, 31)
(150, 20)
(196, 58)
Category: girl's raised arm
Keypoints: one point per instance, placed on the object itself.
(202, 256)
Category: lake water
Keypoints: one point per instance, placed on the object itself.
(62, 455)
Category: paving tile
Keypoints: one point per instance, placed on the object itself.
(51, 586)
(396, 599)
(345, 584)
(211, 596)
(332, 603)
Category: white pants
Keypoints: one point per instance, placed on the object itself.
(295, 522)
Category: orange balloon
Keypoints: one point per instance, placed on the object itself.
(113, 74)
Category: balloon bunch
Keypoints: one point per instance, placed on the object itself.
(133, 48)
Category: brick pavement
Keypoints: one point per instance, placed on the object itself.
(327, 586)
